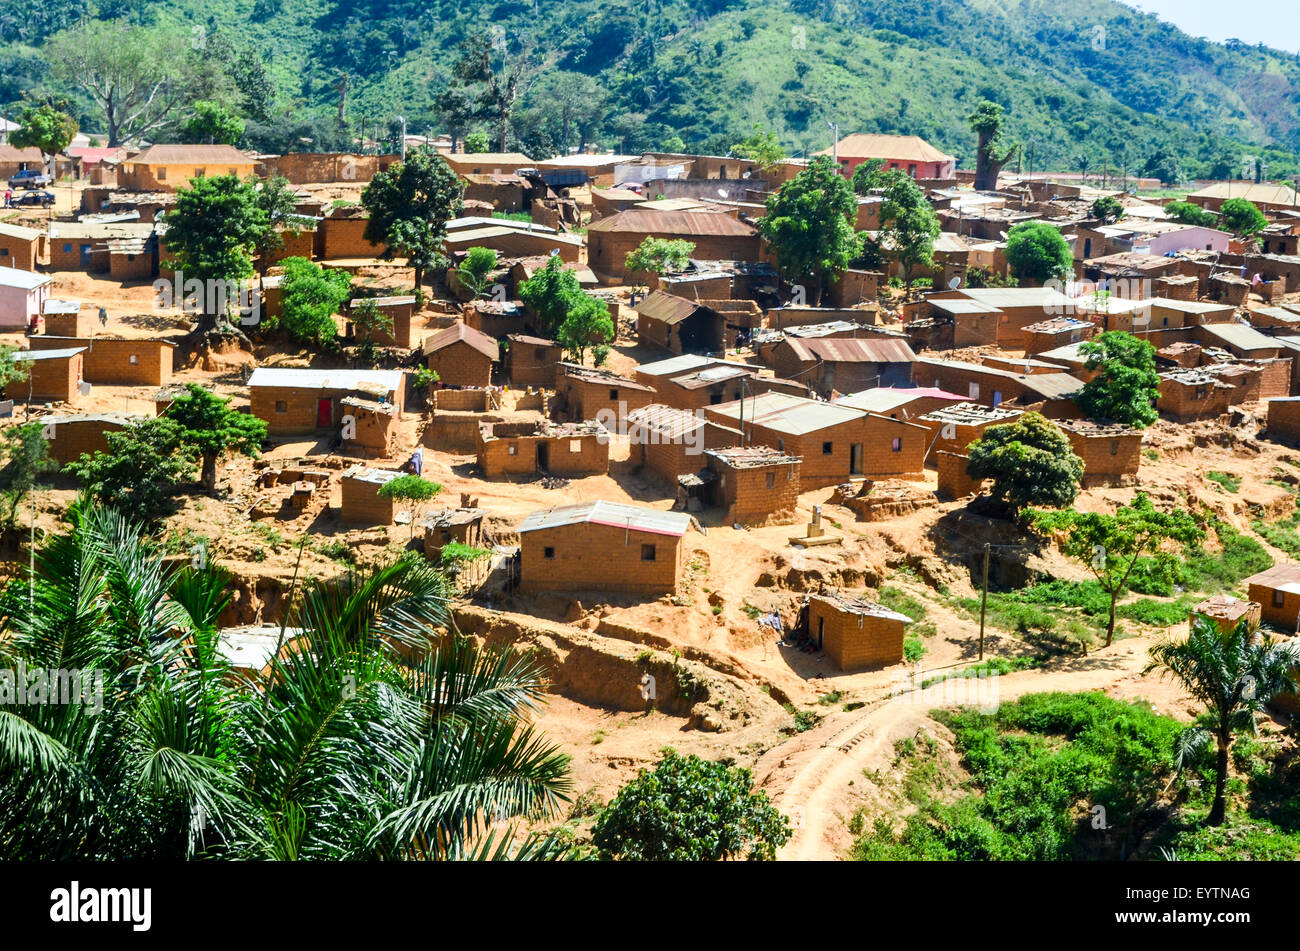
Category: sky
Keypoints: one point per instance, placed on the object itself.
(1274, 23)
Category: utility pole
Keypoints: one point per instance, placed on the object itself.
(984, 599)
(402, 119)
(835, 145)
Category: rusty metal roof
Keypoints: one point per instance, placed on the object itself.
(462, 333)
(191, 155)
(667, 308)
(852, 350)
(640, 221)
(612, 515)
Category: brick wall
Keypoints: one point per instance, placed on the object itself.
(362, 503)
(1284, 420)
(459, 364)
(71, 439)
(54, 380)
(761, 495)
(307, 168)
(855, 641)
(954, 483)
(291, 410)
(607, 251)
(588, 557)
(1283, 615)
(1107, 460)
(82, 324)
(526, 453)
(20, 254)
(116, 362)
(344, 238)
(1182, 402)
(533, 365)
(585, 400)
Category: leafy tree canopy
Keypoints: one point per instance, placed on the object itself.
(310, 297)
(410, 205)
(1030, 462)
(1037, 253)
(46, 127)
(809, 224)
(1242, 218)
(212, 428)
(212, 123)
(761, 147)
(1126, 384)
(1189, 214)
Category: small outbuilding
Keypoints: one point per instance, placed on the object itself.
(856, 634)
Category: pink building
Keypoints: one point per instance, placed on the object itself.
(911, 153)
(22, 295)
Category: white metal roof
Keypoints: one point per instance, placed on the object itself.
(368, 381)
(675, 366)
(16, 277)
(613, 514)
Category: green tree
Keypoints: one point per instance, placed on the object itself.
(1189, 214)
(27, 457)
(689, 809)
(1112, 545)
(659, 256)
(809, 224)
(146, 460)
(1107, 209)
(370, 321)
(212, 123)
(761, 146)
(1233, 673)
(1163, 164)
(992, 151)
(212, 232)
(1030, 462)
(908, 224)
(278, 200)
(210, 427)
(456, 107)
(476, 270)
(310, 297)
(412, 490)
(410, 205)
(550, 293)
(12, 369)
(369, 734)
(46, 127)
(869, 176)
(1125, 385)
(1242, 218)
(476, 143)
(587, 324)
(1037, 253)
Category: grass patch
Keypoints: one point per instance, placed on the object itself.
(896, 599)
(1224, 480)
(1283, 533)
(913, 648)
(1240, 557)
(827, 699)
(804, 720)
(994, 665)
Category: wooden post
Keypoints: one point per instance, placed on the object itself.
(984, 599)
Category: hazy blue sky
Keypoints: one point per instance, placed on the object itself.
(1274, 23)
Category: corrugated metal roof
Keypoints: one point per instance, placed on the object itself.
(882, 399)
(667, 308)
(794, 415)
(611, 514)
(18, 232)
(16, 277)
(367, 381)
(666, 422)
(462, 333)
(677, 365)
(907, 148)
(1240, 336)
(64, 354)
(706, 223)
(853, 350)
(215, 155)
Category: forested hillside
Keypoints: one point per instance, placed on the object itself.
(1085, 82)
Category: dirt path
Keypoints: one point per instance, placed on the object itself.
(810, 781)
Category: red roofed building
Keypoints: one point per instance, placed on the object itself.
(911, 153)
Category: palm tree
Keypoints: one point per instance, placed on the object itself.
(1234, 673)
(372, 732)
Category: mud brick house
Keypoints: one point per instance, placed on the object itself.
(953, 428)
(715, 236)
(833, 366)
(502, 192)
(497, 318)
(373, 427)
(721, 280)
(671, 442)
(855, 287)
(515, 242)
(118, 361)
(169, 167)
(709, 386)
(1266, 197)
(836, 443)
(1191, 394)
(1227, 612)
(526, 267)
(68, 437)
(1070, 358)
(20, 247)
(507, 450)
(1111, 452)
(954, 480)
(602, 546)
(992, 386)
(341, 234)
(399, 310)
(53, 374)
(22, 296)
(65, 318)
(1277, 591)
(14, 160)
(532, 361)
(362, 503)
(855, 633)
(301, 401)
(908, 153)
(765, 341)
(900, 403)
(84, 245)
(1284, 419)
(654, 374)
(1057, 332)
(679, 325)
(1275, 318)
(591, 393)
(463, 525)
(754, 485)
(610, 201)
(1168, 312)
(322, 168)
(486, 163)
(974, 324)
(1016, 309)
(461, 356)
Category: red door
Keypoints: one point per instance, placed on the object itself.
(324, 413)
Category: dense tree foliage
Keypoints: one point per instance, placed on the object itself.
(1030, 462)
(1242, 218)
(410, 205)
(310, 296)
(210, 427)
(908, 224)
(809, 225)
(1037, 253)
(1125, 383)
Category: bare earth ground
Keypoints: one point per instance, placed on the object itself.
(816, 775)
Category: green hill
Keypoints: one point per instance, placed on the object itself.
(1083, 81)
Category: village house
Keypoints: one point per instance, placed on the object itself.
(20, 247)
(362, 504)
(584, 393)
(22, 297)
(65, 318)
(1227, 612)
(953, 428)
(169, 167)
(118, 361)
(399, 310)
(753, 485)
(369, 426)
(1111, 452)
(910, 153)
(1056, 332)
(571, 450)
(679, 325)
(833, 366)
(900, 402)
(671, 442)
(486, 163)
(1268, 198)
(974, 323)
(54, 375)
(1016, 309)
(341, 235)
(602, 546)
(855, 633)
(69, 436)
(302, 401)
(84, 245)
(532, 361)
(710, 386)
(1169, 312)
(1277, 591)
(1191, 394)
(515, 241)
(463, 525)
(993, 386)
(461, 356)
(714, 234)
(497, 319)
(836, 443)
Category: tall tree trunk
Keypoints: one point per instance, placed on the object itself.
(209, 471)
(1219, 811)
(1110, 622)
